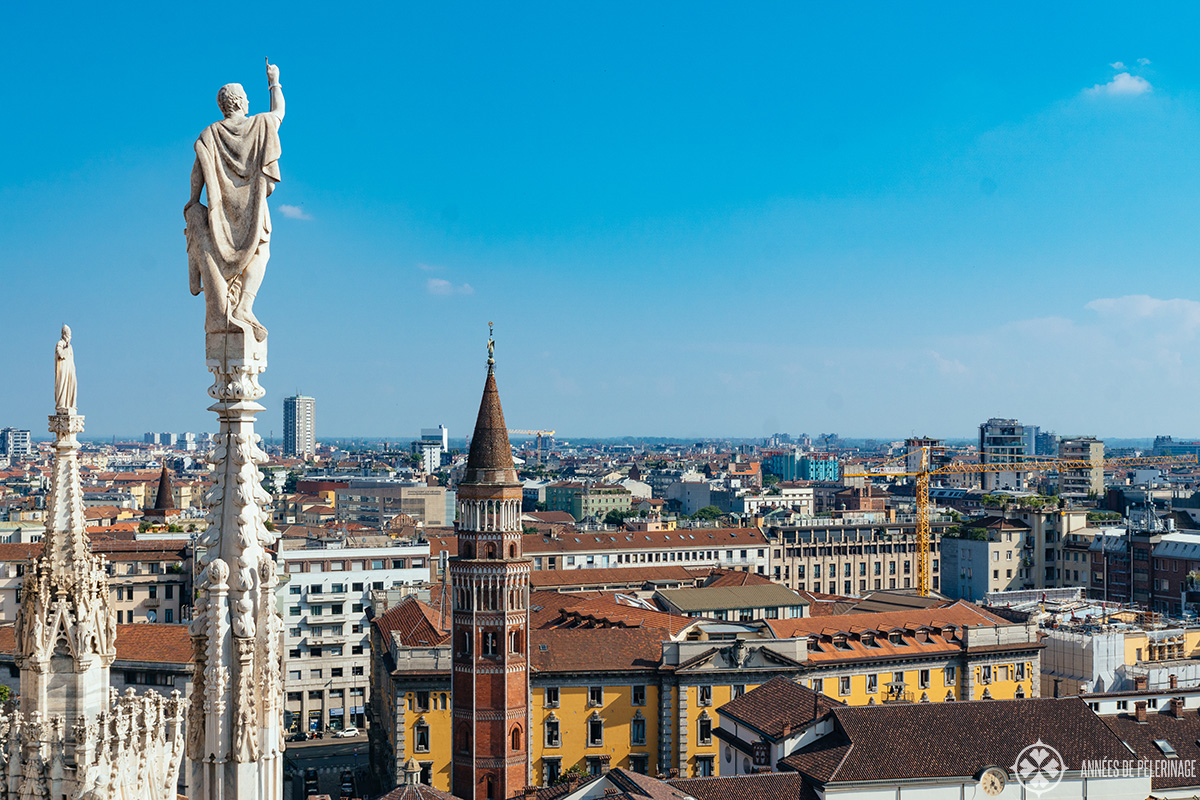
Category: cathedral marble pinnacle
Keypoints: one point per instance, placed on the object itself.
(60, 741)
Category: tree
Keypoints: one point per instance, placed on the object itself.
(618, 516)
(289, 484)
(770, 479)
(5, 694)
(709, 512)
(572, 771)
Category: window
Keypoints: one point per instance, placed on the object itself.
(637, 730)
(1020, 671)
(704, 695)
(737, 690)
(639, 763)
(421, 740)
(552, 769)
(595, 731)
(336, 608)
(489, 643)
(514, 738)
(1166, 748)
(923, 679)
(844, 685)
(553, 738)
(315, 673)
(704, 767)
(595, 696)
(950, 676)
(293, 589)
(704, 729)
(818, 685)
(294, 653)
(872, 684)
(170, 591)
(315, 652)
(639, 695)
(335, 672)
(294, 611)
(356, 671)
(551, 697)
(985, 674)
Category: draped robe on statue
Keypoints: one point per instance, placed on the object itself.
(228, 242)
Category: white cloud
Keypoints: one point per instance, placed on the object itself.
(294, 212)
(1118, 65)
(444, 287)
(1123, 85)
(1143, 62)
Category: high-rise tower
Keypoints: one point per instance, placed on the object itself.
(299, 426)
(490, 582)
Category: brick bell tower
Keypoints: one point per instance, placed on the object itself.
(490, 583)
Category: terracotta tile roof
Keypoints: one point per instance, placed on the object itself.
(957, 613)
(595, 649)
(551, 516)
(1183, 734)
(605, 612)
(153, 642)
(729, 577)
(16, 551)
(768, 786)
(930, 740)
(416, 623)
(778, 704)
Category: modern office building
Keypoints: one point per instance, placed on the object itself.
(299, 426)
(15, 443)
(1003, 441)
(376, 502)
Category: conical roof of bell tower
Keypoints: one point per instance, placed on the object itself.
(490, 458)
(165, 500)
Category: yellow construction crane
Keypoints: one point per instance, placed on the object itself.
(538, 434)
(1024, 464)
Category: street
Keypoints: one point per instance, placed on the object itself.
(329, 757)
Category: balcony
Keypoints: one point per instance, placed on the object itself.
(152, 602)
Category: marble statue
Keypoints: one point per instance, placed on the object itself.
(64, 374)
(236, 699)
(228, 242)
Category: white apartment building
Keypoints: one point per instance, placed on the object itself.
(323, 596)
(798, 498)
(1003, 441)
(742, 549)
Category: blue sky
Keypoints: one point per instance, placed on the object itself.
(686, 219)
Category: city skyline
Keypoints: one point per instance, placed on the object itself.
(765, 228)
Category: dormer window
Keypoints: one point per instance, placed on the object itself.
(814, 645)
(896, 639)
(840, 643)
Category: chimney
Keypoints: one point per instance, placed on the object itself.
(673, 772)
(573, 779)
(1177, 707)
(1174, 679)
(1141, 682)
(1139, 710)
(787, 730)
(530, 792)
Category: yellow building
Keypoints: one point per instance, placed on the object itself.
(615, 686)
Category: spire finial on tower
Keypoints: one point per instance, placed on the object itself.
(491, 345)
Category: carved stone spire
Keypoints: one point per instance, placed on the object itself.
(64, 625)
(68, 739)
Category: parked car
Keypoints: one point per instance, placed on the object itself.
(298, 736)
(346, 733)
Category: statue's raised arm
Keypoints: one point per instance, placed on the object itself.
(228, 242)
(275, 89)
